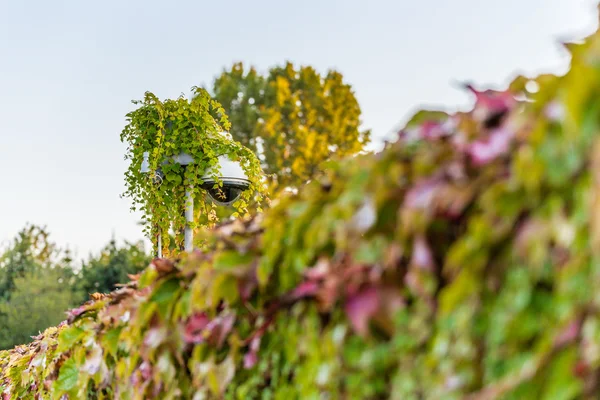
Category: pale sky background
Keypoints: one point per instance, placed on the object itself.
(68, 70)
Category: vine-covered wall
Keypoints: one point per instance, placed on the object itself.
(460, 262)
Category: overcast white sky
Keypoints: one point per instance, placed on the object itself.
(68, 70)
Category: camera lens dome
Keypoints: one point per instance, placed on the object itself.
(226, 195)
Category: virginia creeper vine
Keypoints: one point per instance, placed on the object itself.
(163, 130)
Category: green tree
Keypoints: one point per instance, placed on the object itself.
(31, 249)
(241, 93)
(101, 274)
(294, 118)
(38, 300)
(32, 259)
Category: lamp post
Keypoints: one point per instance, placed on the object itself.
(232, 176)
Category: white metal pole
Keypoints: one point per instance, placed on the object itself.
(159, 245)
(189, 219)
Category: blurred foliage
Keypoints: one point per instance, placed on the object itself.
(32, 257)
(38, 300)
(294, 118)
(461, 262)
(30, 250)
(40, 281)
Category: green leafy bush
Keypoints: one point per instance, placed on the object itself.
(460, 262)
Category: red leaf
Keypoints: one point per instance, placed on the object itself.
(250, 360)
(251, 357)
(74, 313)
(194, 328)
(248, 284)
(568, 334)
(146, 370)
(319, 271)
(491, 102)
(484, 151)
(246, 287)
(421, 254)
(142, 374)
(435, 130)
(421, 195)
(163, 266)
(220, 328)
(428, 130)
(305, 289)
(200, 328)
(361, 307)
(581, 369)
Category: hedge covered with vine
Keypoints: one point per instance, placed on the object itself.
(462, 261)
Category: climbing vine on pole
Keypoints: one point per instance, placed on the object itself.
(157, 132)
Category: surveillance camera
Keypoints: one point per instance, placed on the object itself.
(234, 181)
(230, 173)
(158, 177)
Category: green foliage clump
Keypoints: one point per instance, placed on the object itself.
(294, 118)
(461, 262)
(161, 131)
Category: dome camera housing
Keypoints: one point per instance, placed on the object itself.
(224, 183)
(234, 181)
(231, 174)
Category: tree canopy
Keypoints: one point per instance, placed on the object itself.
(294, 118)
(31, 249)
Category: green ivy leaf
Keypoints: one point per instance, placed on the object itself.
(175, 178)
(165, 294)
(561, 383)
(67, 376)
(68, 337)
(231, 259)
(110, 340)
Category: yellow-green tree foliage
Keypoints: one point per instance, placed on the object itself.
(294, 118)
(463, 261)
